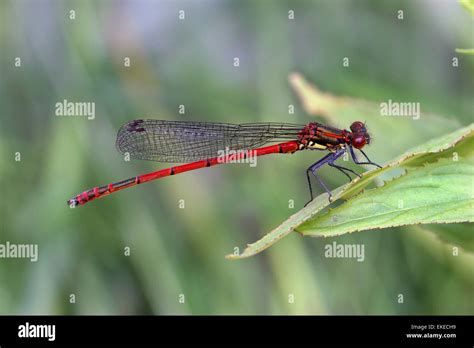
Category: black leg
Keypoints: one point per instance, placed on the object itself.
(309, 184)
(320, 183)
(312, 169)
(368, 159)
(343, 169)
(329, 158)
(354, 158)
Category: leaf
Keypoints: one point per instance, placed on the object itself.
(285, 228)
(460, 141)
(434, 193)
(438, 187)
(465, 50)
(468, 5)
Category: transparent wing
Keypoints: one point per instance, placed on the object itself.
(181, 141)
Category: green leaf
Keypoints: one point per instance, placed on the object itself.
(285, 228)
(465, 50)
(434, 193)
(437, 187)
(468, 5)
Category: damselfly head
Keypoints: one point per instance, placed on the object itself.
(359, 136)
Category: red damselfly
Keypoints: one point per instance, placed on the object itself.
(200, 143)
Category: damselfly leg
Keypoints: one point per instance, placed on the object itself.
(356, 161)
(329, 158)
(343, 169)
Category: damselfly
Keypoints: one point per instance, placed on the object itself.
(200, 143)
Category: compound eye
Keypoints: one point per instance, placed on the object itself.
(358, 142)
(357, 126)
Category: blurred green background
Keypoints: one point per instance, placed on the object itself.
(180, 251)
